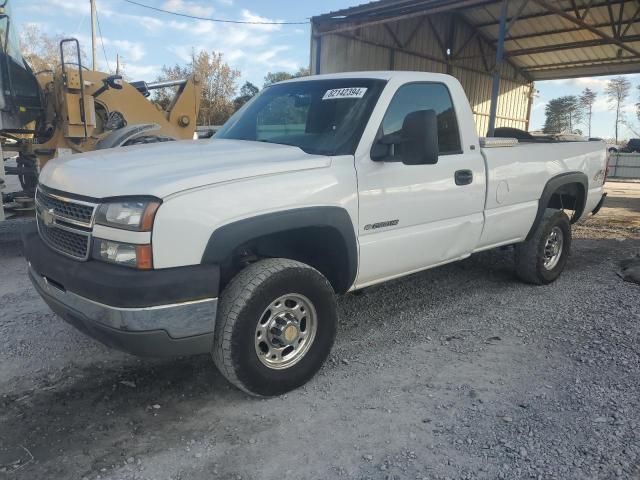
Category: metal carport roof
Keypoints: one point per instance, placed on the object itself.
(544, 39)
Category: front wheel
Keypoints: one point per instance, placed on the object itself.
(276, 324)
(541, 259)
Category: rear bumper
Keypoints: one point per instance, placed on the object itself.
(158, 327)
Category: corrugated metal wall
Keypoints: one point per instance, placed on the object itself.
(624, 165)
(420, 44)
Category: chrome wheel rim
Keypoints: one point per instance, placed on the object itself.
(553, 248)
(285, 331)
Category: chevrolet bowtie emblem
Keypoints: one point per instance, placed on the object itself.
(47, 217)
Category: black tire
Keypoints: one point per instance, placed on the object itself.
(530, 255)
(242, 305)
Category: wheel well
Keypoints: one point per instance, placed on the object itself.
(567, 191)
(570, 196)
(322, 247)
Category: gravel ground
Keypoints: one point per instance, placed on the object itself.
(460, 372)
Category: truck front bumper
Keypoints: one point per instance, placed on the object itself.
(154, 313)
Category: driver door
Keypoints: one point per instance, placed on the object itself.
(412, 217)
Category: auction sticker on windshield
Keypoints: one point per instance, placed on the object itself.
(353, 92)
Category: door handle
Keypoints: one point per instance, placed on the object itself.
(463, 177)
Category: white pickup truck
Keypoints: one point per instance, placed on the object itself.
(328, 184)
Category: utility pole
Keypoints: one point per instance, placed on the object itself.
(94, 46)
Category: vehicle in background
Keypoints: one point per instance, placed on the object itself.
(74, 110)
(632, 146)
(318, 186)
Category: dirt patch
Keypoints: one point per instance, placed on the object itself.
(619, 216)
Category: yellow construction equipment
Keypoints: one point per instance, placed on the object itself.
(73, 109)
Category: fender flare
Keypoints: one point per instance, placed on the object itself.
(227, 238)
(118, 137)
(552, 185)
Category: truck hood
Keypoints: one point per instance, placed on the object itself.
(163, 169)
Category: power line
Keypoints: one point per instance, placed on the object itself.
(219, 20)
(102, 41)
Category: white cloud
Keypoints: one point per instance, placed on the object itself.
(146, 40)
(129, 51)
(69, 6)
(271, 54)
(538, 105)
(248, 16)
(238, 43)
(591, 82)
(141, 72)
(183, 52)
(190, 8)
(601, 104)
(274, 58)
(234, 55)
(132, 51)
(150, 24)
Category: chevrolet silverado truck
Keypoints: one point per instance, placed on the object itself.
(237, 245)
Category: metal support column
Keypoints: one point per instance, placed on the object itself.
(2, 184)
(495, 90)
(318, 54)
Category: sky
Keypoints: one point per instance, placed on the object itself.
(146, 40)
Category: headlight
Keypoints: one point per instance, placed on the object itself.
(126, 254)
(134, 214)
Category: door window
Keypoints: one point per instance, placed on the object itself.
(425, 96)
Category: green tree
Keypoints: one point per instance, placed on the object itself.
(587, 99)
(617, 91)
(218, 81)
(554, 117)
(275, 77)
(163, 96)
(573, 111)
(218, 87)
(562, 114)
(42, 51)
(247, 92)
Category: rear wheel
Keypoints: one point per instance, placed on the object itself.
(541, 259)
(276, 325)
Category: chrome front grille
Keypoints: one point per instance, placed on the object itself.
(71, 210)
(74, 244)
(65, 224)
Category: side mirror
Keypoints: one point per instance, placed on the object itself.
(417, 140)
(420, 138)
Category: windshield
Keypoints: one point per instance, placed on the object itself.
(8, 37)
(324, 117)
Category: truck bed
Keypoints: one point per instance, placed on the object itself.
(516, 176)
